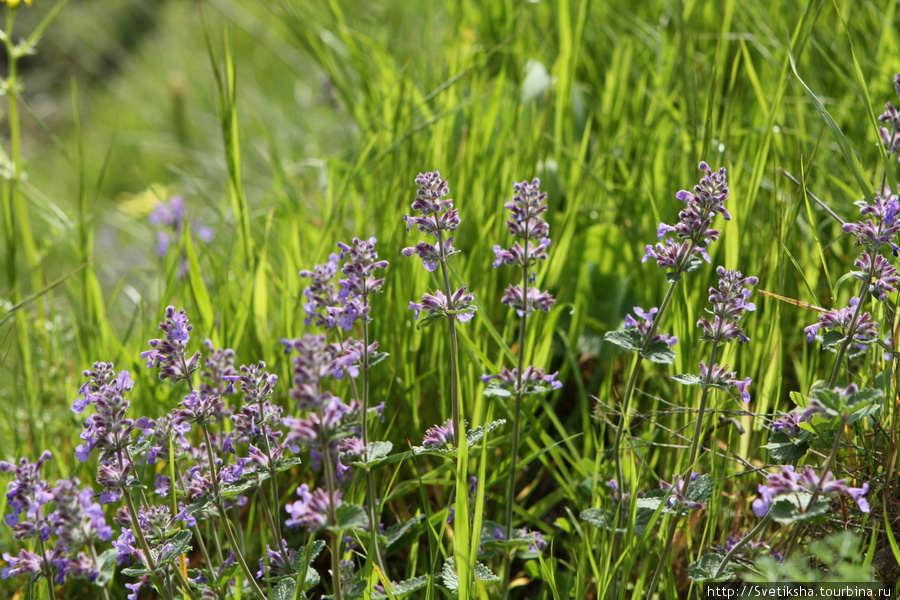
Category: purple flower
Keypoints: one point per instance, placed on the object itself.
(196, 409)
(890, 116)
(460, 306)
(884, 276)
(316, 360)
(361, 263)
(865, 330)
(787, 481)
(644, 326)
(26, 494)
(169, 352)
(721, 376)
(533, 381)
(513, 297)
(788, 423)
(729, 303)
(676, 499)
(694, 224)
(77, 519)
(28, 562)
(217, 376)
(107, 428)
(881, 226)
(311, 511)
(439, 437)
(438, 216)
(280, 561)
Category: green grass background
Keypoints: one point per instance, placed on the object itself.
(323, 114)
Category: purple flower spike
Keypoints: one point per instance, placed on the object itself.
(169, 352)
(730, 302)
(645, 324)
(880, 227)
(841, 320)
(311, 511)
(26, 494)
(694, 225)
(439, 436)
(438, 216)
(107, 428)
(460, 306)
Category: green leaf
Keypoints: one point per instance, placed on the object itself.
(407, 586)
(428, 320)
(497, 390)
(483, 573)
(705, 569)
(377, 451)
(794, 507)
(473, 436)
(350, 516)
(606, 519)
(283, 464)
(700, 489)
(785, 449)
(625, 338)
(284, 590)
(864, 412)
(395, 532)
(659, 352)
(687, 379)
(106, 567)
(448, 575)
(180, 544)
(831, 338)
(376, 358)
(238, 486)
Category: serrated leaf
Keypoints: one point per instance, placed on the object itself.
(660, 353)
(473, 436)
(350, 516)
(283, 464)
(407, 586)
(700, 489)
(795, 507)
(705, 568)
(625, 338)
(483, 573)
(377, 451)
(395, 532)
(448, 575)
(497, 390)
(606, 519)
(428, 320)
(443, 452)
(180, 544)
(864, 412)
(284, 590)
(106, 567)
(831, 338)
(237, 487)
(649, 503)
(376, 358)
(785, 449)
(687, 379)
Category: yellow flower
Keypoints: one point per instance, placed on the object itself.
(15, 3)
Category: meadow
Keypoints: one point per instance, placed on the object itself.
(552, 407)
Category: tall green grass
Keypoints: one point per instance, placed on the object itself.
(294, 125)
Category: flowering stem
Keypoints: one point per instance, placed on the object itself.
(632, 382)
(221, 507)
(332, 514)
(45, 567)
(763, 523)
(514, 444)
(695, 444)
(857, 310)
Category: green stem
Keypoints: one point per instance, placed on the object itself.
(695, 445)
(763, 523)
(45, 567)
(332, 513)
(863, 296)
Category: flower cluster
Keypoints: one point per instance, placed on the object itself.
(694, 224)
(880, 227)
(891, 136)
(645, 326)
(311, 511)
(107, 428)
(721, 376)
(533, 381)
(314, 361)
(787, 481)
(169, 220)
(729, 303)
(864, 328)
(438, 216)
(439, 436)
(26, 494)
(170, 352)
(677, 499)
(526, 223)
